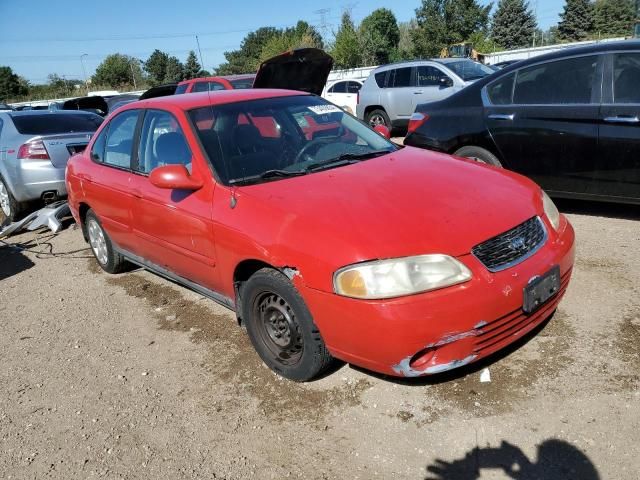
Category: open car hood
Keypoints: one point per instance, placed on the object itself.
(95, 104)
(304, 69)
(159, 91)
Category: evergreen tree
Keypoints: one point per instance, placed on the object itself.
(513, 24)
(613, 17)
(118, 70)
(346, 49)
(191, 66)
(174, 72)
(156, 67)
(576, 21)
(247, 58)
(445, 22)
(381, 35)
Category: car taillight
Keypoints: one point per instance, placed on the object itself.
(33, 150)
(416, 120)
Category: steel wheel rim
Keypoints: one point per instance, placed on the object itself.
(477, 159)
(4, 200)
(98, 242)
(278, 328)
(376, 120)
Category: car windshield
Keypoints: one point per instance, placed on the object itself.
(469, 70)
(271, 138)
(52, 123)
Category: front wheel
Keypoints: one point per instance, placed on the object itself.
(478, 154)
(281, 328)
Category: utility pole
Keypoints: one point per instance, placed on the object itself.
(133, 75)
(84, 72)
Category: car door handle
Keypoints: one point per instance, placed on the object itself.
(622, 119)
(502, 116)
(418, 93)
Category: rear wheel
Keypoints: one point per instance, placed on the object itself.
(108, 259)
(11, 209)
(378, 117)
(478, 154)
(281, 328)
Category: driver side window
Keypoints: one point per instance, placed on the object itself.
(162, 143)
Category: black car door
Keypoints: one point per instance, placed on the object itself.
(546, 126)
(618, 168)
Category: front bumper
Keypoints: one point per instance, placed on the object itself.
(440, 330)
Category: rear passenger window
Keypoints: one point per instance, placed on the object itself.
(560, 82)
(400, 77)
(340, 87)
(380, 79)
(161, 143)
(181, 89)
(120, 139)
(626, 78)
(500, 91)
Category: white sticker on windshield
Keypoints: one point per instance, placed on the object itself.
(322, 109)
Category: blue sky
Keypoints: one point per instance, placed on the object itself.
(38, 37)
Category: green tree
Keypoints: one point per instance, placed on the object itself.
(191, 66)
(613, 17)
(247, 58)
(380, 35)
(11, 85)
(156, 67)
(302, 35)
(445, 22)
(174, 71)
(405, 48)
(576, 21)
(514, 24)
(346, 49)
(118, 70)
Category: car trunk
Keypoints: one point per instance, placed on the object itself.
(61, 147)
(304, 69)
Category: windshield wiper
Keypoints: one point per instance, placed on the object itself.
(264, 175)
(345, 159)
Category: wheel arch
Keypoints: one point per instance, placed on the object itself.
(83, 208)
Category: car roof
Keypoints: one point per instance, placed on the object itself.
(28, 113)
(217, 97)
(596, 48)
(243, 76)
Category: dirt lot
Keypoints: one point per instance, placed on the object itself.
(130, 376)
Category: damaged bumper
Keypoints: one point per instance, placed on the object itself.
(441, 330)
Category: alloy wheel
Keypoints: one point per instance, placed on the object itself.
(376, 120)
(98, 241)
(4, 200)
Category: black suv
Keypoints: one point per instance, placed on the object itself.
(570, 120)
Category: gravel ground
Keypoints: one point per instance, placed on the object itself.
(130, 376)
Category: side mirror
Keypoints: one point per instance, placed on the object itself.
(445, 82)
(174, 177)
(383, 130)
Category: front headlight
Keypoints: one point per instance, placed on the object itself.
(550, 210)
(399, 276)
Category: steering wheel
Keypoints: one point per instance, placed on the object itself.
(316, 142)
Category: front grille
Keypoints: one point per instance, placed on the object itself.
(512, 246)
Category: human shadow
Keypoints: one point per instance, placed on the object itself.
(598, 209)
(12, 262)
(556, 460)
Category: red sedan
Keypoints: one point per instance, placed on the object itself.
(204, 84)
(329, 244)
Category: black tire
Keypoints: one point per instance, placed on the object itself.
(10, 207)
(281, 328)
(378, 117)
(108, 259)
(479, 154)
